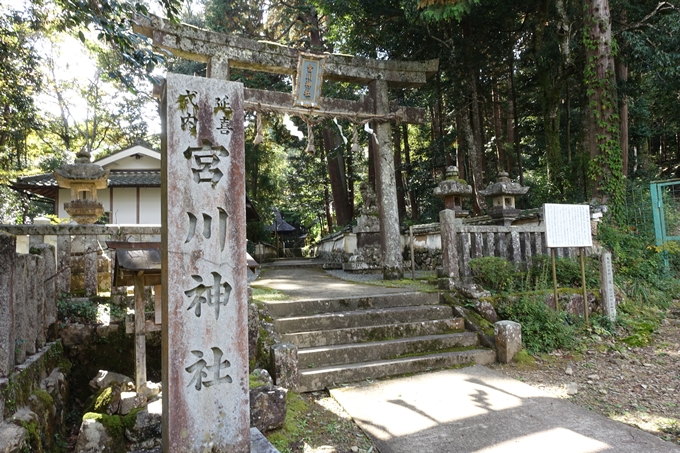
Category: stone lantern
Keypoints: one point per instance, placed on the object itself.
(502, 194)
(83, 178)
(453, 190)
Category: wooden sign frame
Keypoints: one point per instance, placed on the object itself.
(308, 81)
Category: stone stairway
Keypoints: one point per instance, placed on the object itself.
(356, 338)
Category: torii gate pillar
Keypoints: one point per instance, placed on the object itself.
(386, 186)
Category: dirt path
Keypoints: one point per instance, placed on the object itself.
(637, 386)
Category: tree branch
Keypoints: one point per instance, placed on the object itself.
(660, 8)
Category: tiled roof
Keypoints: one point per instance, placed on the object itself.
(117, 178)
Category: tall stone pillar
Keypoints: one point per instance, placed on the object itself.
(386, 187)
(8, 255)
(449, 237)
(205, 310)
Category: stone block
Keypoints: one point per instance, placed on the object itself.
(130, 401)
(253, 333)
(39, 297)
(106, 378)
(20, 308)
(49, 283)
(508, 336)
(150, 390)
(268, 407)
(94, 438)
(7, 280)
(32, 311)
(147, 425)
(13, 438)
(259, 443)
(285, 365)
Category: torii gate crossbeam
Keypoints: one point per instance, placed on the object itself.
(222, 52)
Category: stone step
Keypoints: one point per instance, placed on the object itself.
(361, 318)
(382, 350)
(320, 378)
(309, 307)
(373, 333)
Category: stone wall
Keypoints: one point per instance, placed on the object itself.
(83, 261)
(33, 402)
(28, 305)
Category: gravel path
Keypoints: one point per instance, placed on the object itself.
(637, 386)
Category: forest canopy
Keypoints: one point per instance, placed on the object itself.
(576, 99)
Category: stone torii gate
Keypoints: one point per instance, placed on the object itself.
(222, 52)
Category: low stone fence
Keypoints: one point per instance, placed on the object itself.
(82, 258)
(515, 243)
(265, 253)
(28, 305)
(336, 247)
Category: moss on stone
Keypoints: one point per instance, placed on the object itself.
(114, 427)
(33, 433)
(256, 381)
(296, 409)
(103, 399)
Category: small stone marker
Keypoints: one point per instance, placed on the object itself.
(607, 286)
(508, 340)
(205, 333)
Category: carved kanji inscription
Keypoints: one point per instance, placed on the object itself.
(205, 162)
(213, 294)
(201, 371)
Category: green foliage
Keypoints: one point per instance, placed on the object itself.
(446, 9)
(492, 272)
(84, 312)
(543, 330)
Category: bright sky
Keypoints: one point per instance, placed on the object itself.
(73, 64)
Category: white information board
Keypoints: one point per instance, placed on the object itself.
(567, 225)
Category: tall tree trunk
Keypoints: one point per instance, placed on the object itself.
(371, 161)
(515, 118)
(604, 138)
(407, 158)
(498, 130)
(336, 173)
(622, 76)
(350, 180)
(327, 207)
(473, 158)
(334, 157)
(401, 202)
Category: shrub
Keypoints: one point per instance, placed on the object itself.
(492, 272)
(543, 330)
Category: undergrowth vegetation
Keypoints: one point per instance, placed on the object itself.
(645, 284)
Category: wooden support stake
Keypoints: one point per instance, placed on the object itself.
(140, 332)
(413, 261)
(583, 284)
(554, 275)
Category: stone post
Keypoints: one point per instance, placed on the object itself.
(449, 235)
(20, 308)
(7, 281)
(47, 272)
(63, 264)
(205, 308)
(90, 264)
(386, 187)
(508, 338)
(284, 358)
(607, 286)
